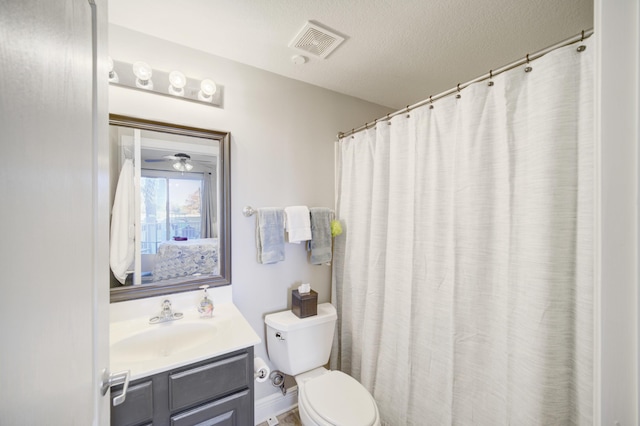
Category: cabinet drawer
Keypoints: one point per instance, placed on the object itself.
(233, 410)
(208, 381)
(137, 407)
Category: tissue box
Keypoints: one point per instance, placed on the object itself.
(304, 305)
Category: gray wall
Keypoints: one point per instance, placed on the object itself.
(282, 134)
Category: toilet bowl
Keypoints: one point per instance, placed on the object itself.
(300, 347)
(331, 398)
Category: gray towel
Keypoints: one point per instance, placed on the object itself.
(320, 244)
(270, 235)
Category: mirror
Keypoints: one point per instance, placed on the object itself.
(170, 229)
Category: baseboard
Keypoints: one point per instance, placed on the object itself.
(275, 404)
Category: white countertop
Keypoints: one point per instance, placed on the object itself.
(191, 338)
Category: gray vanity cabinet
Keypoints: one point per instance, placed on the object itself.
(217, 391)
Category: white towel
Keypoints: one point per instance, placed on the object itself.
(123, 224)
(297, 224)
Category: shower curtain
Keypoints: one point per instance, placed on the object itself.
(463, 278)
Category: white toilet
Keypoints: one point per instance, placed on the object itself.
(300, 347)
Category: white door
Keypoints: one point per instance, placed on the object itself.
(53, 253)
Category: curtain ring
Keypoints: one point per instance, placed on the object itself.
(408, 115)
(353, 131)
(582, 47)
(388, 120)
(430, 102)
(458, 96)
(375, 124)
(528, 68)
(490, 83)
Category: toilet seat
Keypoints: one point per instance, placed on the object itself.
(336, 398)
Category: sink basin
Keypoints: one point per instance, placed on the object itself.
(163, 340)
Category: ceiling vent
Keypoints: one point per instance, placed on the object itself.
(316, 40)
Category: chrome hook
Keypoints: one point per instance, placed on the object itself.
(528, 68)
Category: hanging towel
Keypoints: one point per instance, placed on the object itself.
(123, 224)
(298, 225)
(270, 235)
(320, 244)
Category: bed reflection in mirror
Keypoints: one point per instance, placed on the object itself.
(168, 229)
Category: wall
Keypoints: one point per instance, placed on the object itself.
(282, 134)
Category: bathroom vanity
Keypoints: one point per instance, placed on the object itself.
(218, 390)
(183, 372)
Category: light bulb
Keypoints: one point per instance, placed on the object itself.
(178, 81)
(143, 74)
(207, 89)
(113, 76)
(182, 166)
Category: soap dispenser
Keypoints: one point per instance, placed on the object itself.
(206, 305)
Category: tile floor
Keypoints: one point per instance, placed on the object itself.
(290, 418)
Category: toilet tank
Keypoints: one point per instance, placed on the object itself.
(296, 345)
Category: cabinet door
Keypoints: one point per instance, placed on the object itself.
(137, 408)
(234, 410)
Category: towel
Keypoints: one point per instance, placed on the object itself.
(298, 225)
(270, 235)
(320, 244)
(121, 250)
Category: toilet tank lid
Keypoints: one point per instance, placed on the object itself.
(288, 321)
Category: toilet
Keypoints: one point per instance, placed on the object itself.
(300, 347)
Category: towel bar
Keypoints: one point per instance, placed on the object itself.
(249, 211)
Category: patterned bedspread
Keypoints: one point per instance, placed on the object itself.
(186, 258)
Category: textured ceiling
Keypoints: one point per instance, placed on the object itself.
(396, 53)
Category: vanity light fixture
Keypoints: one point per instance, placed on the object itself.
(207, 89)
(174, 84)
(177, 82)
(143, 73)
(113, 75)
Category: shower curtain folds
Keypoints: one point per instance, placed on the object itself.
(463, 276)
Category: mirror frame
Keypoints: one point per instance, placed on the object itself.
(120, 294)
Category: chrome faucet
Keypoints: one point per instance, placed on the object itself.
(166, 314)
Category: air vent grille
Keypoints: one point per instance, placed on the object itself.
(316, 40)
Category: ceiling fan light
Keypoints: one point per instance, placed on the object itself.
(179, 166)
(188, 166)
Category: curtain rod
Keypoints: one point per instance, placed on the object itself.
(529, 57)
